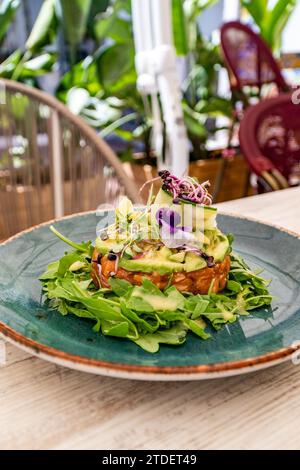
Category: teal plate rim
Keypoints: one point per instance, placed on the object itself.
(146, 372)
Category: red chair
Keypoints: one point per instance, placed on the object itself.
(270, 142)
(249, 59)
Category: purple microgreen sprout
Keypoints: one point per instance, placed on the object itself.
(185, 189)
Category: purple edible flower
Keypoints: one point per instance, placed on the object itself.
(175, 236)
(169, 217)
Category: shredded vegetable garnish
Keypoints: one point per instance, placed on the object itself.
(209, 259)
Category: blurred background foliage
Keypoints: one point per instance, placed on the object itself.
(271, 18)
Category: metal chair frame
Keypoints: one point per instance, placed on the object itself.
(93, 159)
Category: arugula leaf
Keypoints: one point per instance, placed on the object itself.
(174, 295)
(200, 309)
(230, 238)
(66, 261)
(84, 284)
(77, 266)
(139, 304)
(234, 286)
(120, 329)
(51, 272)
(120, 287)
(151, 288)
(56, 291)
(84, 247)
(142, 323)
(198, 327)
(80, 312)
(171, 316)
(60, 305)
(102, 309)
(149, 298)
(97, 326)
(174, 336)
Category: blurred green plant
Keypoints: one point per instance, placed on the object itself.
(54, 17)
(74, 17)
(271, 18)
(203, 63)
(201, 101)
(101, 87)
(185, 28)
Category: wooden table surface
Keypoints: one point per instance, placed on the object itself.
(43, 406)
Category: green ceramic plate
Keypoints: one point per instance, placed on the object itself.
(261, 340)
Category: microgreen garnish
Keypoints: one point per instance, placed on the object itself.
(186, 189)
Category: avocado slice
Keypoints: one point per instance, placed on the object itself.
(165, 261)
(170, 301)
(219, 249)
(150, 264)
(164, 252)
(105, 246)
(162, 261)
(193, 262)
(178, 257)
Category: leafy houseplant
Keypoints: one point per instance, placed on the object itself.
(200, 100)
(201, 104)
(102, 86)
(8, 9)
(270, 18)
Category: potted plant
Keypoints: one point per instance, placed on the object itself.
(99, 82)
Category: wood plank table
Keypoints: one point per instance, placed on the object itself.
(43, 406)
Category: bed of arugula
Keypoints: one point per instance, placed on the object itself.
(123, 312)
